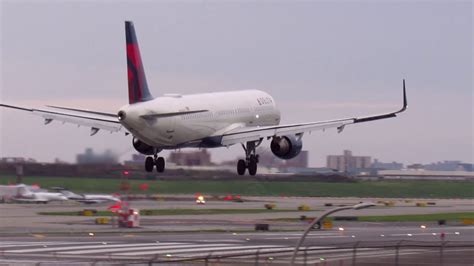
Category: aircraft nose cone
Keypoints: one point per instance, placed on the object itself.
(121, 115)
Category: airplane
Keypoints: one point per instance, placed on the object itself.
(25, 194)
(88, 198)
(206, 120)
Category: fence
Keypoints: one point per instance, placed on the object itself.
(360, 253)
(355, 253)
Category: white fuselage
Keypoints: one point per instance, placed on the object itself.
(26, 195)
(224, 111)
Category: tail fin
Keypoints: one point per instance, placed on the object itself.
(137, 85)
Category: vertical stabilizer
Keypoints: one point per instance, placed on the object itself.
(137, 85)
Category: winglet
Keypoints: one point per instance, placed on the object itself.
(137, 85)
(405, 103)
(388, 115)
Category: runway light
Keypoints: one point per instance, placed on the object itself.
(234, 234)
(91, 234)
(168, 255)
(104, 243)
(341, 229)
(248, 239)
(434, 234)
(322, 259)
(270, 258)
(456, 233)
(286, 238)
(382, 235)
(409, 235)
(423, 226)
(45, 246)
(353, 236)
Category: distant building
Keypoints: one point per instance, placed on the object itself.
(347, 162)
(445, 166)
(416, 166)
(387, 166)
(195, 158)
(300, 161)
(137, 159)
(268, 159)
(89, 157)
(426, 174)
(17, 160)
(468, 166)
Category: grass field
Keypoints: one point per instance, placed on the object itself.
(156, 212)
(387, 189)
(455, 216)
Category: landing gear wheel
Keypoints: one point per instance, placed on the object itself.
(252, 165)
(160, 164)
(149, 163)
(241, 167)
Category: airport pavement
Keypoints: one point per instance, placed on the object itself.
(27, 238)
(24, 218)
(330, 246)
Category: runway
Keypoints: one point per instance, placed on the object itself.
(320, 246)
(27, 238)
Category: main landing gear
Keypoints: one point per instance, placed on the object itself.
(251, 159)
(159, 162)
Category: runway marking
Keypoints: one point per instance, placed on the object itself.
(291, 234)
(286, 238)
(32, 244)
(384, 253)
(83, 247)
(210, 249)
(251, 252)
(224, 240)
(424, 234)
(243, 252)
(154, 249)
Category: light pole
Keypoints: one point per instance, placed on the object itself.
(324, 215)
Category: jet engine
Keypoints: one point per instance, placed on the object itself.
(286, 147)
(142, 147)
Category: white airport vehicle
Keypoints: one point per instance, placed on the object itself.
(88, 198)
(25, 194)
(208, 120)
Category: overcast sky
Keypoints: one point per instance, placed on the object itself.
(319, 59)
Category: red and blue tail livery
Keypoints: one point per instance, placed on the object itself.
(137, 85)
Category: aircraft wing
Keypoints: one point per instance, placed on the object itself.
(94, 120)
(242, 135)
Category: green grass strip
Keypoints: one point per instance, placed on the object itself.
(455, 216)
(385, 189)
(156, 212)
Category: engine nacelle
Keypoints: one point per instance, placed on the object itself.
(286, 147)
(142, 147)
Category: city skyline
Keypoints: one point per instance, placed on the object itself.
(319, 60)
(372, 161)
